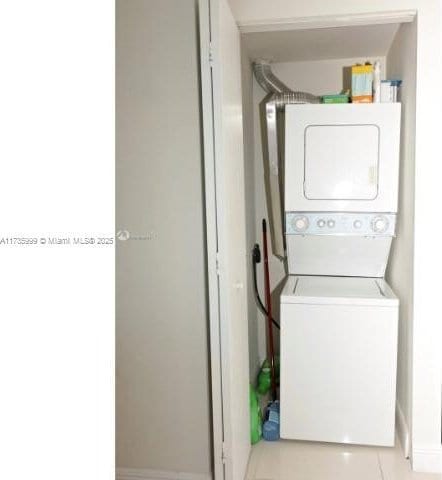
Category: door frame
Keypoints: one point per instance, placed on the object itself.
(214, 290)
(226, 247)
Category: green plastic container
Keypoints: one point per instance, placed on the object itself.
(265, 378)
(255, 417)
(339, 98)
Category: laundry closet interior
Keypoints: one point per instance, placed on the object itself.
(315, 61)
(313, 57)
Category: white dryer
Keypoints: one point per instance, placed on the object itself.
(342, 158)
(338, 360)
(341, 187)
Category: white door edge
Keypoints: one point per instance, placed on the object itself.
(225, 212)
(211, 240)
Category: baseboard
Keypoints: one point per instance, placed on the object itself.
(402, 430)
(148, 474)
(427, 459)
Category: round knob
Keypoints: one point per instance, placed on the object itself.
(300, 223)
(379, 224)
(357, 224)
(320, 223)
(331, 223)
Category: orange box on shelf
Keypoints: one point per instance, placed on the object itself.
(362, 83)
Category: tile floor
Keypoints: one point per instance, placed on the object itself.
(292, 460)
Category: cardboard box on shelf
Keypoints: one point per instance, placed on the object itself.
(362, 83)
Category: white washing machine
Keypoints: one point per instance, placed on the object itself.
(338, 360)
(339, 318)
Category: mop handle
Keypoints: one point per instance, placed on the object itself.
(271, 353)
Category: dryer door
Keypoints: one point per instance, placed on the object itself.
(342, 157)
(336, 165)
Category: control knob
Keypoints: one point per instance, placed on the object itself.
(379, 224)
(300, 223)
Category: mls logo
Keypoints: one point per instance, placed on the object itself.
(123, 235)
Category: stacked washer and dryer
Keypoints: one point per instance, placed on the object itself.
(339, 317)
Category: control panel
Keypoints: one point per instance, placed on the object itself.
(331, 223)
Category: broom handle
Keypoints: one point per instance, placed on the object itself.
(271, 353)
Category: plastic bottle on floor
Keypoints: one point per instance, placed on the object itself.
(270, 428)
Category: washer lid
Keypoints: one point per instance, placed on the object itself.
(318, 290)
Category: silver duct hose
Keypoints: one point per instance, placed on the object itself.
(267, 80)
(272, 84)
(279, 96)
(285, 98)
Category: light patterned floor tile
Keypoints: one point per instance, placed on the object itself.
(287, 460)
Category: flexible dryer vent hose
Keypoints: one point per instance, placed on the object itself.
(279, 96)
(285, 98)
(272, 84)
(267, 80)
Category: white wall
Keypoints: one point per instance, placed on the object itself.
(426, 401)
(401, 63)
(319, 77)
(249, 180)
(163, 412)
(427, 335)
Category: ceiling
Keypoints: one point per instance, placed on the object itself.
(321, 43)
